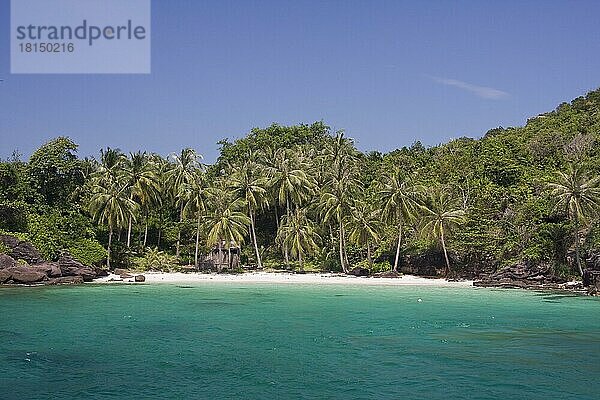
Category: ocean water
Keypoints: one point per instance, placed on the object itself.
(259, 341)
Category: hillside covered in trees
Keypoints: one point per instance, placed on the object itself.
(303, 197)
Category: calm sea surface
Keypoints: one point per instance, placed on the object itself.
(213, 341)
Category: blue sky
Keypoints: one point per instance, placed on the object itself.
(387, 72)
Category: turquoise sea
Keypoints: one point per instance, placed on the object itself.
(259, 341)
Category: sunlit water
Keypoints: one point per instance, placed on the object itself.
(257, 341)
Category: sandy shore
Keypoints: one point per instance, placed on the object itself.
(287, 278)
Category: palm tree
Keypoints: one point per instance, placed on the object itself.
(400, 203)
(250, 184)
(111, 163)
(290, 182)
(194, 197)
(141, 179)
(225, 223)
(160, 207)
(579, 195)
(340, 187)
(182, 173)
(439, 216)
(110, 204)
(298, 235)
(364, 226)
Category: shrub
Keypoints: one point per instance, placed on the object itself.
(155, 259)
(88, 251)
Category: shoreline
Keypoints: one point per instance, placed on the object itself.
(285, 278)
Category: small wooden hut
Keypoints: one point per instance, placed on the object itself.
(221, 257)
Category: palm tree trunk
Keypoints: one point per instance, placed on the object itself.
(398, 248)
(219, 256)
(145, 232)
(341, 230)
(301, 261)
(258, 260)
(369, 258)
(129, 232)
(179, 230)
(110, 234)
(197, 243)
(285, 250)
(229, 256)
(346, 262)
(577, 259)
(445, 252)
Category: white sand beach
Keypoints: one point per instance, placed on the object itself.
(287, 278)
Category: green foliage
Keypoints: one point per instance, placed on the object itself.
(55, 171)
(302, 193)
(155, 260)
(87, 251)
(4, 249)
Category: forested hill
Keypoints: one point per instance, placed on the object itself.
(304, 197)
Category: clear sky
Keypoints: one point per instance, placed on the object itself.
(387, 72)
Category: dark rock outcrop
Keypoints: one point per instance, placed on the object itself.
(126, 276)
(522, 276)
(140, 278)
(21, 250)
(593, 260)
(69, 266)
(591, 281)
(121, 271)
(39, 271)
(52, 270)
(7, 261)
(359, 271)
(100, 272)
(5, 275)
(427, 264)
(26, 275)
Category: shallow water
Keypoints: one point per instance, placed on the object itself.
(290, 342)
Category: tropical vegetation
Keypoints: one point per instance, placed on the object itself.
(298, 196)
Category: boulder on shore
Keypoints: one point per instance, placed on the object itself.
(21, 250)
(26, 275)
(591, 280)
(522, 275)
(7, 261)
(5, 275)
(140, 278)
(122, 271)
(52, 270)
(359, 271)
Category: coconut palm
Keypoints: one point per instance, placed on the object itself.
(340, 187)
(439, 216)
(290, 182)
(111, 163)
(298, 235)
(364, 226)
(399, 200)
(579, 196)
(194, 197)
(249, 183)
(111, 204)
(224, 222)
(141, 178)
(182, 173)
